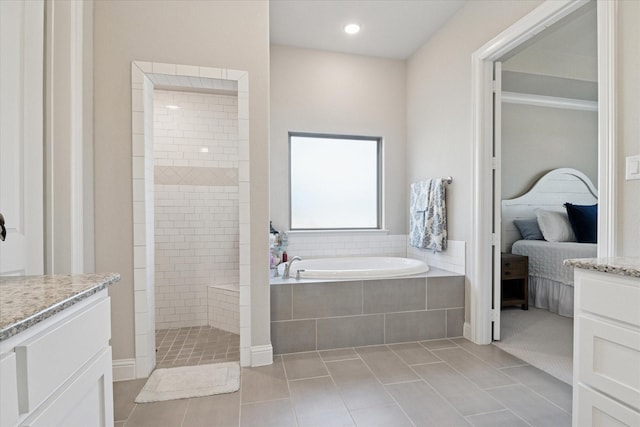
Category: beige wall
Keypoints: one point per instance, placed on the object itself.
(628, 129)
(222, 34)
(325, 92)
(439, 109)
(439, 106)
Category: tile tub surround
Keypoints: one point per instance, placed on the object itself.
(310, 315)
(28, 300)
(223, 302)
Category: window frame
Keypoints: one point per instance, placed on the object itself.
(379, 179)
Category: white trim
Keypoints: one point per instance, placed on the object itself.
(481, 62)
(76, 141)
(607, 12)
(549, 101)
(142, 179)
(466, 330)
(124, 369)
(261, 355)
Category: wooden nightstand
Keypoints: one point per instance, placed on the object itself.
(515, 280)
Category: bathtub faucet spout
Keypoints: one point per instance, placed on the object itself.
(288, 267)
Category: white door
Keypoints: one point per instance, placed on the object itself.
(497, 196)
(21, 136)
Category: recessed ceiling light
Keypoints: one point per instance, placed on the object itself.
(204, 149)
(172, 107)
(352, 28)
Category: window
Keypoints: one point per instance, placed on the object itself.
(335, 181)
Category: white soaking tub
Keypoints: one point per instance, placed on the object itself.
(356, 268)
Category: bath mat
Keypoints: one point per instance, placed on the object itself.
(190, 381)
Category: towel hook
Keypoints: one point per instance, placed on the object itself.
(448, 179)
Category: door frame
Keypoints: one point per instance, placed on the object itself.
(187, 77)
(480, 273)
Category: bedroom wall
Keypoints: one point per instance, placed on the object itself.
(559, 62)
(221, 34)
(536, 140)
(327, 92)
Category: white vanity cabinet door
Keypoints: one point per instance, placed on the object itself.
(610, 360)
(85, 400)
(8, 390)
(606, 359)
(59, 371)
(50, 358)
(598, 410)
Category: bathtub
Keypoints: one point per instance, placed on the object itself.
(356, 268)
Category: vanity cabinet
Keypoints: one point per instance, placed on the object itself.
(56, 365)
(606, 384)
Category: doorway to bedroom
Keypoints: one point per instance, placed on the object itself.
(546, 150)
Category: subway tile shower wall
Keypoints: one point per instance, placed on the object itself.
(196, 202)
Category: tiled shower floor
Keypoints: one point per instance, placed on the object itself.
(197, 345)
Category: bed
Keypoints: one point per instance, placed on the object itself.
(550, 282)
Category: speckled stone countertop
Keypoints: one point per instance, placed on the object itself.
(28, 300)
(625, 266)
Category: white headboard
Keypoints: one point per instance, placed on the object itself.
(551, 192)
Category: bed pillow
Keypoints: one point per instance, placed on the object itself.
(529, 229)
(555, 226)
(584, 222)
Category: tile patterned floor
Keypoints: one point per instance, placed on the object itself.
(195, 345)
(431, 383)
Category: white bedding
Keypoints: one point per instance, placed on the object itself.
(546, 258)
(550, 282)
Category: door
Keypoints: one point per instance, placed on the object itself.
(496, 177)
(21, 136)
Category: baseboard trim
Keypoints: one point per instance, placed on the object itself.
(466, 331)
(124, 369)
(261, 355)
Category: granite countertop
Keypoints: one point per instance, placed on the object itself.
(625, 266)
(28, 300)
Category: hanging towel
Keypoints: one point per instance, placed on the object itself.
(417, 211)
(428, 215)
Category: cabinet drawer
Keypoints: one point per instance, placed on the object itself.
(608, 295)
(512, 270)
(50, 358)
(591, 408)
(608, 359)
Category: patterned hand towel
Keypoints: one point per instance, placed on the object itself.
(428, 215)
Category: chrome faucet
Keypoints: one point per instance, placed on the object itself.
(286, 275)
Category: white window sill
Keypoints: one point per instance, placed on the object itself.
(334, 232)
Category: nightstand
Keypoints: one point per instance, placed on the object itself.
(515, 280)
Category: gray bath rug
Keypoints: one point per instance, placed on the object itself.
(190, 381)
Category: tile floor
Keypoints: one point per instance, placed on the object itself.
(195, 345)
(443, 383)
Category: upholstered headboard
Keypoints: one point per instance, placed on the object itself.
(550, 192)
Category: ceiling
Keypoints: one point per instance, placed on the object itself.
(390, 28)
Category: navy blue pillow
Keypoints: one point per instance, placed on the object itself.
(529, 229)
(584, 222)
